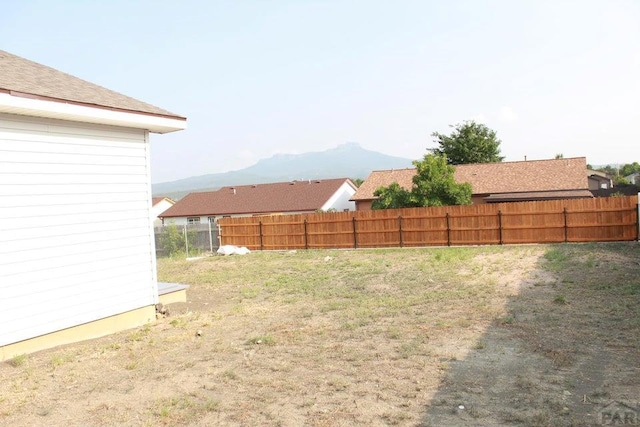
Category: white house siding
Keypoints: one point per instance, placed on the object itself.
(340, 199)
(76, 242)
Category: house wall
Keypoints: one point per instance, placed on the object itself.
(634, 178)
(598, 183)
(363, 205)
(340, 199)
(157, 209)
(76, 241)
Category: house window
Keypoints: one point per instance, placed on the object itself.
(211, 219)
(193, 220)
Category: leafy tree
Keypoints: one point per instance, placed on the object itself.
(559, 156)
(357, 181)
(172, 240)
(392, 197)
(629, 168)
(433, 185)
(470, 142)
(618, 174)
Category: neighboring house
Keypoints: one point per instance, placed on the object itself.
(634, 178)
(598, 180)
(263, 199)
(77, 257)
(497, 182)
(158, 206)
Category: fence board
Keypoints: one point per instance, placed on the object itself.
(577, 220)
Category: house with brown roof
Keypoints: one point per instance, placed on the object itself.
(263, 199)
(497, 182)
(77, 256)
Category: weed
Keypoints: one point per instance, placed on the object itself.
(18, 360)
(230, 375)
(394, 333)
(557, 257)
(480, 345)
(560, 299)
(263, 339)
(131, 366)
(508, 320)
(58, 359)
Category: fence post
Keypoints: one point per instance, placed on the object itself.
(566, 226)
(210, 237)
(448, 231)
(355, 236)
(400, 229)
(306, 239)
(500, 224)
(260, 228)
(638, 219)
(186, 240)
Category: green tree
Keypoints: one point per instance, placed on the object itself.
(172, 240)
(433, 185)
(392, 197)
(357, 181)
(629, 168)
(470, 142)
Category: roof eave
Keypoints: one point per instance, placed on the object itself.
(89, 114)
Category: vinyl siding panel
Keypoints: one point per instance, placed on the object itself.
(76, 241)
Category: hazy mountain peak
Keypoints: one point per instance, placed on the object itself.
(345, 160)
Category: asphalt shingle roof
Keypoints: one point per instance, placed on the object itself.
(296, 196)
(491, 178)
(22, 77)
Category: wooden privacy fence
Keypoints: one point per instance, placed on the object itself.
(578, 220)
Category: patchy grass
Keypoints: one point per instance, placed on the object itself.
(513, 335)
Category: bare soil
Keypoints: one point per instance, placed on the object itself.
(490, 336)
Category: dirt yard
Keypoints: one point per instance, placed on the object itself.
(492, 336)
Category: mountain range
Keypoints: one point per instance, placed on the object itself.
(347, 160)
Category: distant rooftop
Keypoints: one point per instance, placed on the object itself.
(491, 178)
(294, 196)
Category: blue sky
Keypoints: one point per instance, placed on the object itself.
(255, 78)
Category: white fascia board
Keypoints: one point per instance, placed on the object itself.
(80, 113)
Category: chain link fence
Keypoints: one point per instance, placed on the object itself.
(189, 240)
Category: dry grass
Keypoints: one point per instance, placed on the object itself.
(367, 337)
